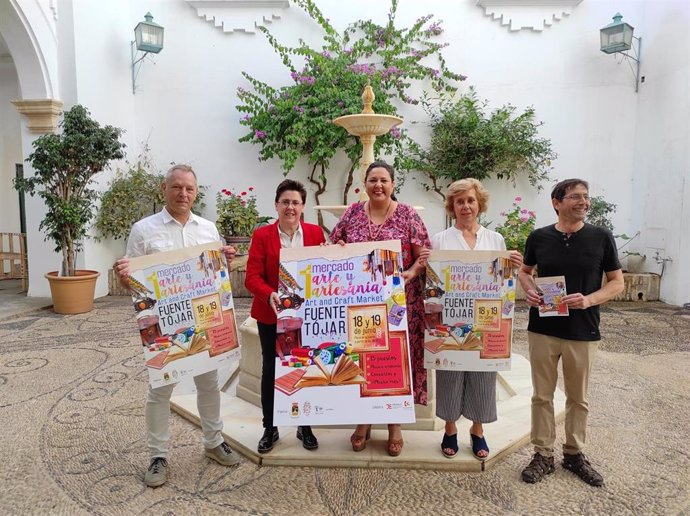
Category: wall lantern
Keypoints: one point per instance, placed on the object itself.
(148, 38)
(617, 38)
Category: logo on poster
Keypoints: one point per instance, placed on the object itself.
(295, 409)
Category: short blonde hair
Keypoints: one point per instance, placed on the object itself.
(462, 186)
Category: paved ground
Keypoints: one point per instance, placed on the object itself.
(71, 407)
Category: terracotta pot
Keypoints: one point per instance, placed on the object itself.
(73, 294)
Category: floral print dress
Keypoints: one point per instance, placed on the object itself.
(407, 226)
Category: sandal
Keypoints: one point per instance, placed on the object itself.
(359, 442)
(538, 468)
(449, 442)
(479, 444)
(579, 465)
(395, 446)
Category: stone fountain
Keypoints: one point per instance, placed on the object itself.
(366, 125)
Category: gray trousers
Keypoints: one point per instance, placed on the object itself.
(471, 394)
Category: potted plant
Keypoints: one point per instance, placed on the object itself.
(65, 165)
(238, 216)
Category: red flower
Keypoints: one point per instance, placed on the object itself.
(356, 190)
(251, 188)
(244, 193)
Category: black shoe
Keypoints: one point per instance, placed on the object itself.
(579, 465)
(266, 442)
(538, 468)
(307, 437)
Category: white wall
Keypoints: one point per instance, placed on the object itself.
(661, 169)
(602, 130)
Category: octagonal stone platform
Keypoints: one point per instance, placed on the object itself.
(242, 425)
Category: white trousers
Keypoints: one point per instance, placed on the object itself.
(158, 414)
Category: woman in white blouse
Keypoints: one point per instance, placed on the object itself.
(467, 393)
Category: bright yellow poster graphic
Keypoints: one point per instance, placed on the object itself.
(487, 315)
(208, 312)
(367, 327)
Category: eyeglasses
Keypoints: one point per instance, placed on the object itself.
(286, 204)
(577, 197)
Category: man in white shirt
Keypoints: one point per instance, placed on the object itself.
(174, 227)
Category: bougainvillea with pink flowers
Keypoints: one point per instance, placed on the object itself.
(296, 120)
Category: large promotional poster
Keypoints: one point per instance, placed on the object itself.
(185, 312)
(469, 303)
(342, 346)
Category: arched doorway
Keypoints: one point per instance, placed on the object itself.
(28, 86)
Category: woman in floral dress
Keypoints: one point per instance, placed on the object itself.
(382, 217)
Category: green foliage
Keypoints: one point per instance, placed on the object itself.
(65, 166)
(519, 223)
(237, 213)
(600, 211)
(296, 120)
(599, 214)
(132, 195)
(466, 141)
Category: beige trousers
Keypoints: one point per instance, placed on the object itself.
(577, 357)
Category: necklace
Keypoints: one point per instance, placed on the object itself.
(375, 229)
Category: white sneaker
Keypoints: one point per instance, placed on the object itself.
(223, 455)
(157, 473)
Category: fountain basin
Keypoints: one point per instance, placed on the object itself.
(368, 124)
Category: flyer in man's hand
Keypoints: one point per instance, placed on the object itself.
(552, 289)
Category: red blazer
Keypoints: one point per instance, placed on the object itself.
(262, 266)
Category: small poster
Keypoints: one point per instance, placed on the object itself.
(469, 303)
(552, 289)
(342, 342)
(185, 312)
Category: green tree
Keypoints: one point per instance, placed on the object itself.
(133, 194)
(466, 141)
(600, 211)
(65, 166)
(296, 120)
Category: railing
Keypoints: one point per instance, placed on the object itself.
(13, 258)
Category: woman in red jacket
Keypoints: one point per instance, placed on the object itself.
(262, 281)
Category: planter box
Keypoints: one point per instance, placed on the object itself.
(238, 270)
(115, 288)
(640, 286)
